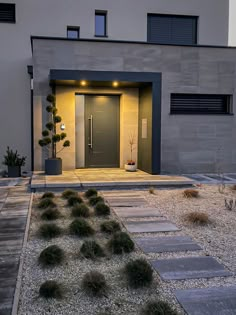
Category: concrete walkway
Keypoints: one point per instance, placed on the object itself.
(14, 206)
(104, 178)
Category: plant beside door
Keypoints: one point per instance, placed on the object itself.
(53, 165)
(131, 164)
(14, 162)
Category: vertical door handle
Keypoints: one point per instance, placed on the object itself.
(90, 144)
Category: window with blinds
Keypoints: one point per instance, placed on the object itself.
(172, 29)
(7, 13)
(200, 104)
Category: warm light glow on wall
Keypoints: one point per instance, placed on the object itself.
(115, 83)
(83, 83)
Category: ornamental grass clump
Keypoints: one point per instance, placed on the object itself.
(48, 194)
(46, 203)
(80, 210)
(191, 193)
(81, 227)
(90, 192)
(91, 249)
(157, 308)
(51, 289)
(68, 193)
(120, 243)
(51, 256)
(94, 283)
(95, 199)
(49, 230)
(74, 200)
(101, 209)
(198, 218)
(50, 214)
(138, 273)
(110, 226)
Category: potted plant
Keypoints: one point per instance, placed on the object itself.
(53, 165)
(131, 164)
(14, 161)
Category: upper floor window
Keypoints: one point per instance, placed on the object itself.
(7, 13)
(172, 29)
(101, 23)
(73, 32)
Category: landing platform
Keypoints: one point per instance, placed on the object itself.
(108, 178)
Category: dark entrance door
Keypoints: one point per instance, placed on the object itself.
(102, 139)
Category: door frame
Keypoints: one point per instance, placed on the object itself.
(85, 124)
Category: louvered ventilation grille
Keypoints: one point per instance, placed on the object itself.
(200, 104)
(7, 13)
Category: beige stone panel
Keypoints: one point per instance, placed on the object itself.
(65, 102)
(38, 161)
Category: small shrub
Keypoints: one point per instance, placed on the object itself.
(49, 230)
(191, 193)
(48, 194)
(151, 191)
(80, 210)
(157, 308)
(110, 226)
(233, 187)
(50, 214)
(51, 256)
(95, 199)
(91, 249)
(90, 192)
(50, 289)
(102, 209)
(230, 204)
(74, 200)
(138, 273)
(195, 217)
(68, 193)
(94, 283)
(46, 203)
(81, 227)
(121, 243)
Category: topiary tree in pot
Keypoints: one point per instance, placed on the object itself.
(53, 165)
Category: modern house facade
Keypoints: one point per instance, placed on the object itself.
(160, 71)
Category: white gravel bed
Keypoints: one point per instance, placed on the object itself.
(120, 298)
(217, 239)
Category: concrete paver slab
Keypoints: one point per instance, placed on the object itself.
(136, 212)
(126, 202)
(208, 301)
(150, 226)
(166, 244)
(189, 268)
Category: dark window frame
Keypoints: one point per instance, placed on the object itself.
(104, 14)
(194, 19)
(73, 28)
(11, 7)
(201, 104)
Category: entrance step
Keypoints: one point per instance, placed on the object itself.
(189, 268)
(150, 226)
(136, 212)
(208, 301)
(166, 244)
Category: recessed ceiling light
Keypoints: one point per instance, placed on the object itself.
(115, 83)
(83, 83)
